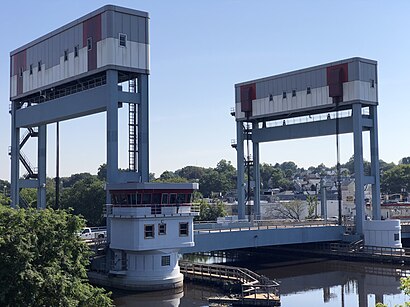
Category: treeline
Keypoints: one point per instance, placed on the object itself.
(85, 193)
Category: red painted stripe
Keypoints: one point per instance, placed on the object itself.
(92, 28)
(248, 93)
(335, 76)
(20, 63)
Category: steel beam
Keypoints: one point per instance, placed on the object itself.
(240, 159)
(358, 167)
(375, 164)
(42, 161)
(68, 107)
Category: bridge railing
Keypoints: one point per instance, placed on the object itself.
(252, 283)
(235, 226)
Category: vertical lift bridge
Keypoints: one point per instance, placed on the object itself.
(268, 110)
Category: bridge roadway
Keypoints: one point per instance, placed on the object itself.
(225, 236)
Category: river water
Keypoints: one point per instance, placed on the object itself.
(303, 282)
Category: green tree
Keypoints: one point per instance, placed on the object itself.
(289, 169)
(273, 177)
(191, 172)
(210, 212)
(86, 197)
(28, 198)
(396, 179)
(311, 206)
(102, 172)
(68, 182)
(43, 261)
(384, 166)
(350, 166)
(169, 176)
(405, 160)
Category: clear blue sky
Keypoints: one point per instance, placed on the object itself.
(200, 49)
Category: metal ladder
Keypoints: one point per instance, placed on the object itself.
(132, 130)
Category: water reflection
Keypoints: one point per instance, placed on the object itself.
(318, 283)
(337, 283)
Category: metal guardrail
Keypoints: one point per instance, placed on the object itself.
(225, 227)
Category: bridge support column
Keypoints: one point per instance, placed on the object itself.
(42, 166)
(112, 129)
(257, 178)
(358, 166)
(323, 200)
(240, 159)
(15, 162)
(375, 164)
(143, 126)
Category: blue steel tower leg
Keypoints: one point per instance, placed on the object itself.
(112, 128)
(375, 164)
(257, 178)
(42, 160)
(15, 163)
(240, 158)
(358, 167)
(143, 133)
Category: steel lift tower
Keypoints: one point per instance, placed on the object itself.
(284, 107)
(94, 64)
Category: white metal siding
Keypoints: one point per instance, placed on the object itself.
(109, 52)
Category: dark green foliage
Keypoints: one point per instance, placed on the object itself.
(170, 177)
(191, 172)
(396, 179)
(273, 177)
(405, 160)
(68, 182)
(210, 211)
(102, 172)
(43, 261)
(350, 166)
(86, 197)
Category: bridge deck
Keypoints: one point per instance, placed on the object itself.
(225, 237)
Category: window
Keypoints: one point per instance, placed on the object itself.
(173, 199)
(139, 197)
(21, 72)
(65, 55)
(308, 91)
(123, 40)
(181, 198)
(31, 69)
(162, 229)
(371, 83)
(89, 43)
(132, 199)
(284, 95)
(156, 198)
(396, 237)
(149, 231)
(164, 200)
(165, 260)
(146, 199)
(183, 229)
(293, 93)
(270, 97)
(76, 51)
(39, 66)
